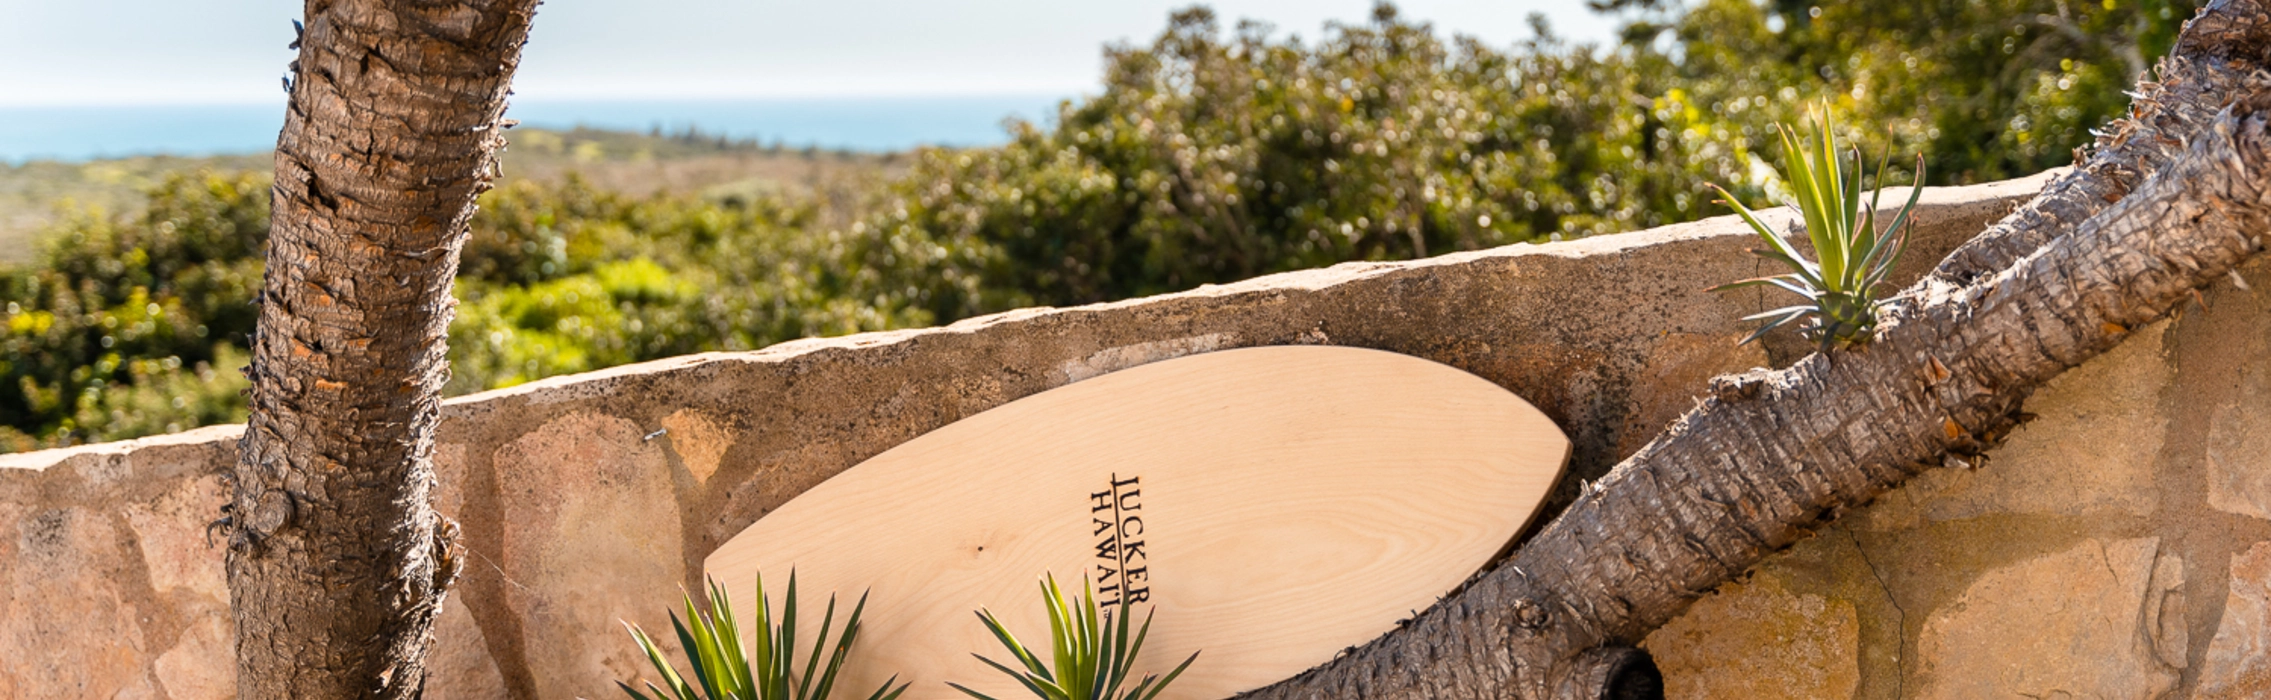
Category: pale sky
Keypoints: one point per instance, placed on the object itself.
(92, 52)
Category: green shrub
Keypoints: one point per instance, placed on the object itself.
(1840, 288)
(566, 278)
(127, 326)
(1210, 159)
(1091, 657)
(765, 668)
(1986, 89)
(133, 325)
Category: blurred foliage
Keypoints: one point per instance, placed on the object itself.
(133, 326)
(566, 278)
(1207, 156)
(1985, 89)
(1211, 158)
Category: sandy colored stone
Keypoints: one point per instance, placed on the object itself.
(10, 555)
(2064, 624)
(1759, 640)
(2239, 441)
(450, 480)
(2239, 658)
(2090, 451)
(67, 630)
(171, 531)
(1118, 358)
(139, 689)
(459, 666)
(700, 441)
(1680, 368)
(201, 665)
(591, 536)
(2164, 612)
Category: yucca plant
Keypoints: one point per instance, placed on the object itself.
(1093, 655)
(722, 665)
(1841, 288)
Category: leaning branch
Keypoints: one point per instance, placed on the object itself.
(1759, 466)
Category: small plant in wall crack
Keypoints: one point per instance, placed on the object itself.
(1093, 654)
(1840, 288)
(722, 663)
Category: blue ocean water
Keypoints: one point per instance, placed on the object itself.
(859, 123)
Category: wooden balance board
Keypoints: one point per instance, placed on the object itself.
(1275, 505)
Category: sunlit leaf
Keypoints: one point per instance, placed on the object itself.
(722, 663)
(1855, 257)
(1093, 652)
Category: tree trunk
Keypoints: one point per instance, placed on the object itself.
(1775, 455)
(337, 561)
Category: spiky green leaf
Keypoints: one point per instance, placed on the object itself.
(1093, 652)
(722, 661)
(1854, 254)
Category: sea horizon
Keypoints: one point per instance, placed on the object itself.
(869, 124)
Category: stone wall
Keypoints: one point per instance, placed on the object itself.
(2116, 547)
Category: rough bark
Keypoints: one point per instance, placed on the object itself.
(1775, 455)
(337, 561)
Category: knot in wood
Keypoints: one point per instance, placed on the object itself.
(271, 513)
(1737, 387)
(1528, 615)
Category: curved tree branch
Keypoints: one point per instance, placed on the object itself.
(1777, 454)
(1758, 467)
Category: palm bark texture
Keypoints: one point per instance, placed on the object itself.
(2176, 197)
(337, 562)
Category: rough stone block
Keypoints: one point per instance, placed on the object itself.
(69, 628)
(2065, 624)
(1759, 640)
(591, 537)
(2239, 435)
(2091, 450)
(2239, 658)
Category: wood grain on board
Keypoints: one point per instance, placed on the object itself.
(1275, 504)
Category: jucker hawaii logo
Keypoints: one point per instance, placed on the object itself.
(1116, 516)
(1270, 496)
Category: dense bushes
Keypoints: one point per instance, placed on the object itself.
(1208, 156)
(1211, 159)
(566, 278)
(1985, 89)
(132, 326)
